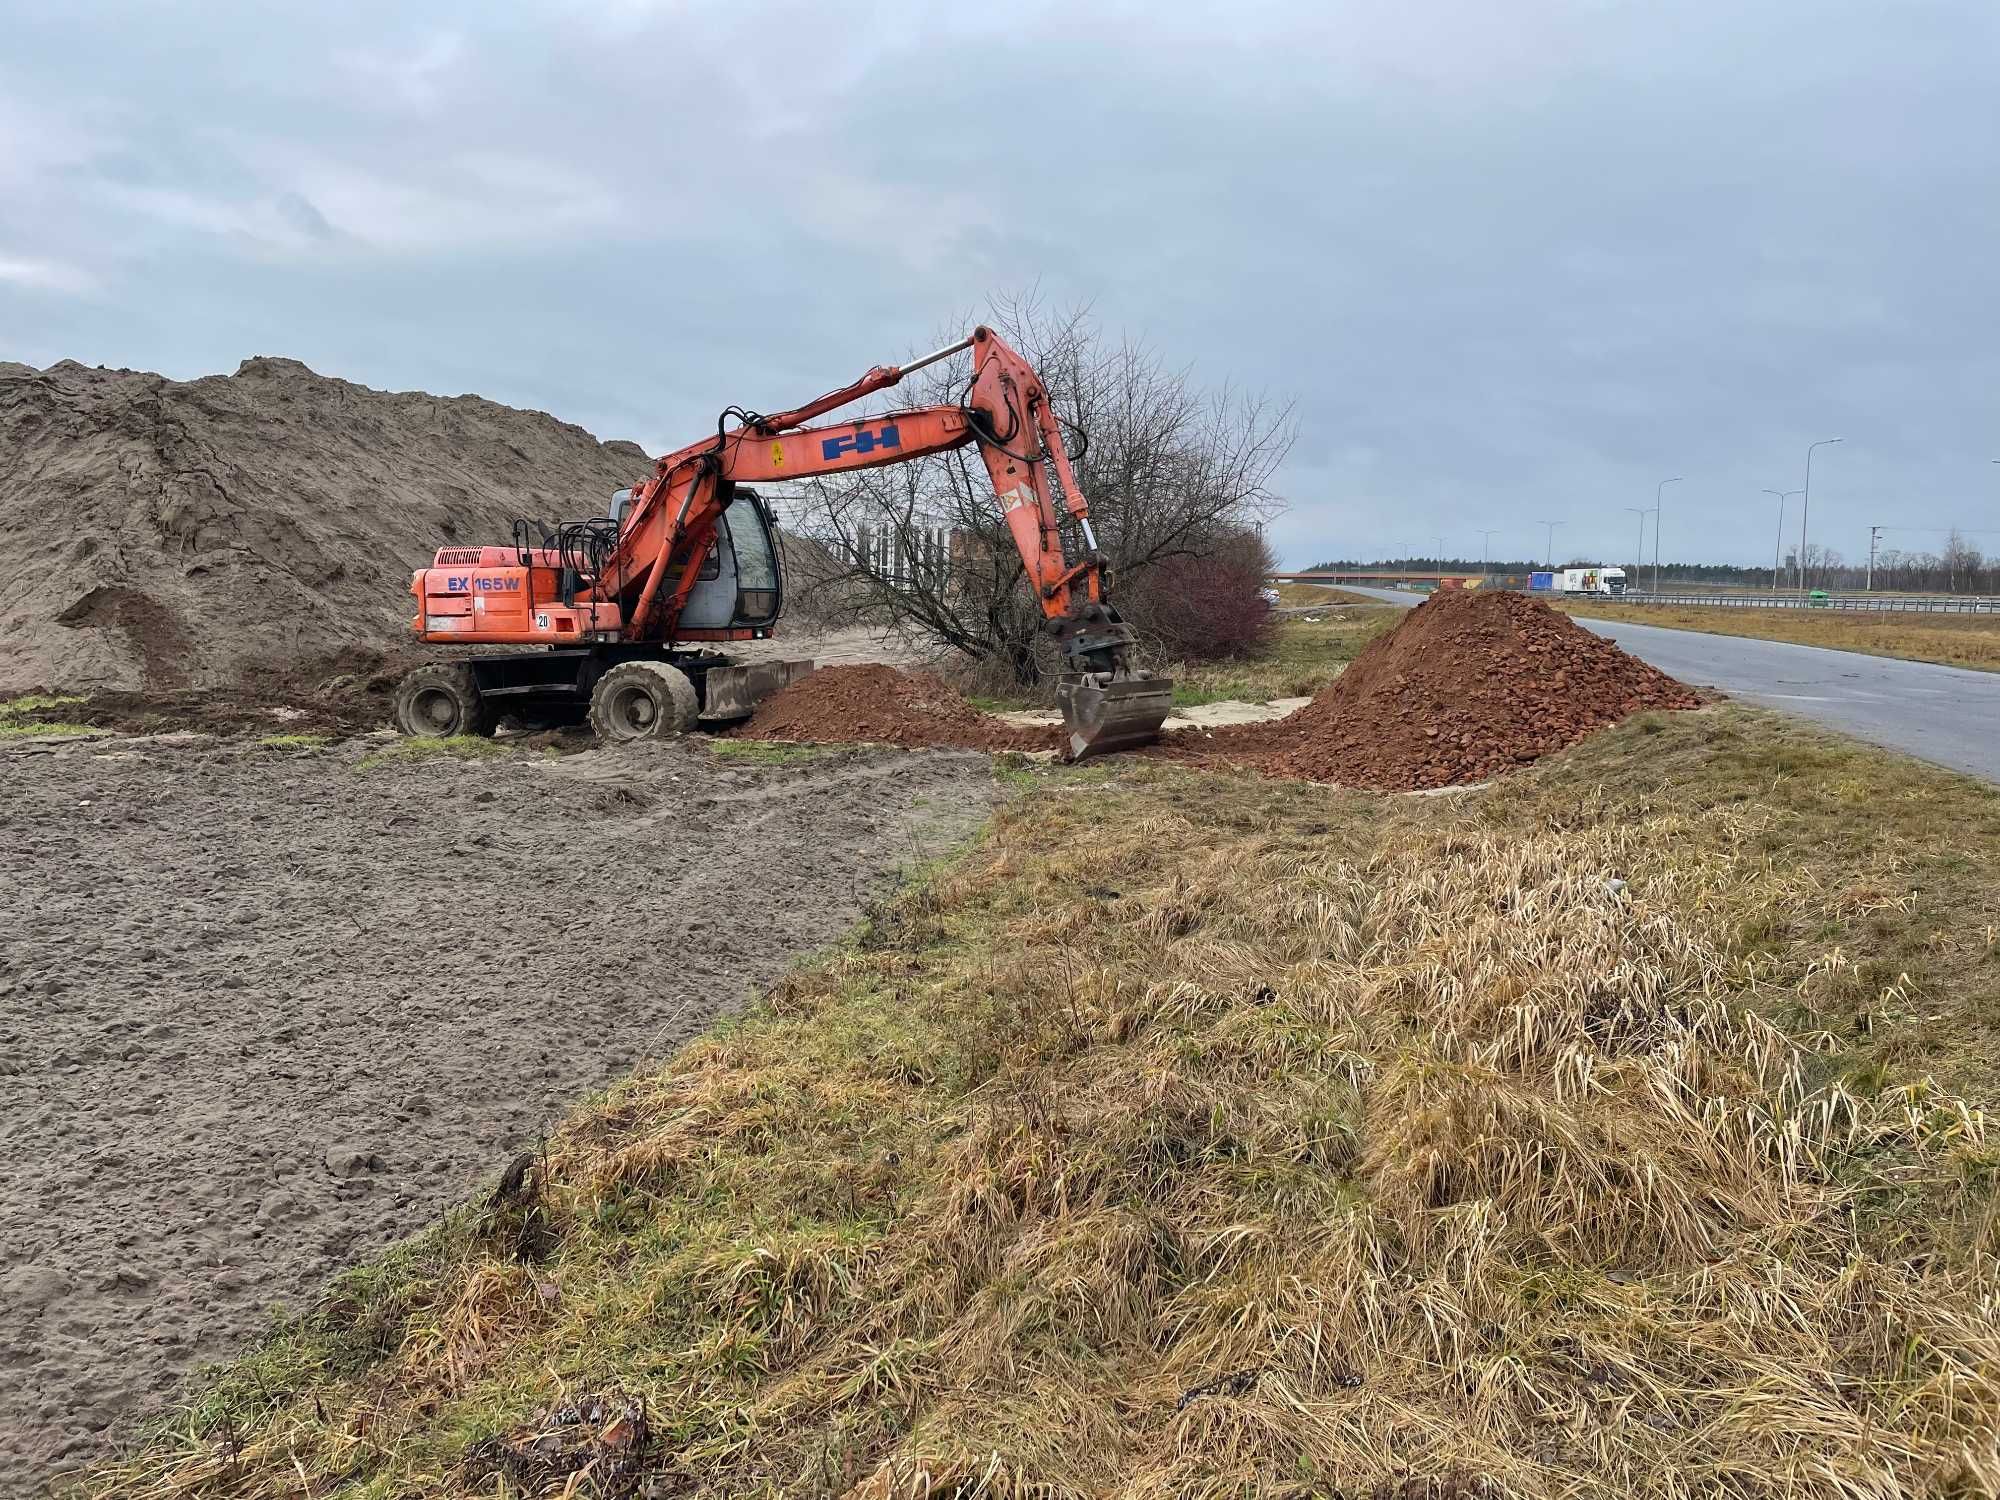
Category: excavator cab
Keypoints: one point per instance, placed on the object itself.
(739, 585)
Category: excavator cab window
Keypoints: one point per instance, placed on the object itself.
(758, 591)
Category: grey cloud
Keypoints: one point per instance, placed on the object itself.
(297, 211)
(1514, 262)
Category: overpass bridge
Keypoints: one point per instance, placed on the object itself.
(1389, 577)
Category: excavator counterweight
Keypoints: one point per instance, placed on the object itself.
(622, 609)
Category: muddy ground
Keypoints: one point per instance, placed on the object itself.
(262, 1012)
(352, 692)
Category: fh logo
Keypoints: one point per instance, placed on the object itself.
(861, 443)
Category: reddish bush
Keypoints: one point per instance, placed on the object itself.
(1201, 608)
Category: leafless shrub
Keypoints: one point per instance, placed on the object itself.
(1172, 472)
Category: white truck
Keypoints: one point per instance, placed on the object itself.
(1579, 581)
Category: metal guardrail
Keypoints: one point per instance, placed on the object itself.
(1927, 604)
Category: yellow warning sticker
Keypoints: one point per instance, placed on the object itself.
(777, 455)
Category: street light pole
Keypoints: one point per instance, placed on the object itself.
(1485, 553)
(1639, 564)
(1805, 507)
(1874, 535)
(1656, 531)
(1552, 525)
(1778, 550)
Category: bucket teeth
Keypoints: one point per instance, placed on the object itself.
(1102, 713)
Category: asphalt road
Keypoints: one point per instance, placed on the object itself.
(1945, 715)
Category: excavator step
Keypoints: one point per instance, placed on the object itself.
(1102, 713)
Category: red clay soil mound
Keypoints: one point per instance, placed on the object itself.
(882, 705)
(1467, 686)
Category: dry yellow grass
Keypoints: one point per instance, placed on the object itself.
(1952, 640)
(1211, 1137)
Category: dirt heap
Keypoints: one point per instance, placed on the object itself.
(1465, 687)
(165, 534)
(885, 705)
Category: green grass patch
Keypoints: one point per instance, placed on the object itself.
(457, 746)
(295, 741)
(16, 723)
(46, 729)
(766, 752)
(1003, 703)
(29, 703)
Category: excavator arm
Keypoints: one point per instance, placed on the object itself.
(615, 602)
(1107, 701)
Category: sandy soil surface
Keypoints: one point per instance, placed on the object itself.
(261, 1013)
(853, 646)
(1196, 716)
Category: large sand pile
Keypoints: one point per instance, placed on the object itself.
(1465, 687)
(163, 534)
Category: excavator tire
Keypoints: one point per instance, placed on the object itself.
(440, 701)
(643, 700)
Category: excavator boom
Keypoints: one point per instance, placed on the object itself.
(639, 585)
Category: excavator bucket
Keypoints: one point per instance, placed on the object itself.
(1102, 713)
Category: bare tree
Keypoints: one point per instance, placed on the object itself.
(1820, 564)
(1170, 471)
(1962, 562)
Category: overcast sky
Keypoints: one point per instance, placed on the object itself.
(1515, 261)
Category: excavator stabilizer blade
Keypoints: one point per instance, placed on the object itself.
(733, 693)
(1102, 714)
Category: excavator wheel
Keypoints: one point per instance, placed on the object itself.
(643, 700)
(440, 701)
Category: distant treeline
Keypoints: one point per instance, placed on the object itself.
(1957, 568)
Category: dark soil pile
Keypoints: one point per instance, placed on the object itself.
(164, 535)
(1467, 686)
(883, 705)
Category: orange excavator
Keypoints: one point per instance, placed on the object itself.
(623, 612)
